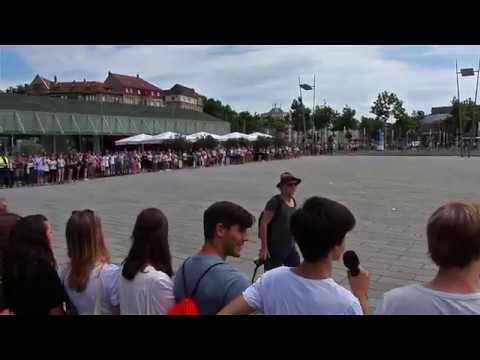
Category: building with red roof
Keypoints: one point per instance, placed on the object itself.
(135, 90)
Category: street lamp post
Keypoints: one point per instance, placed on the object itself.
(464, 73)
(303, 116)
(307, 87)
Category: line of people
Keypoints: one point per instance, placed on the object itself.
(145, 283)
(22, 170)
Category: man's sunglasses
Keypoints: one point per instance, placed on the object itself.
(293, 184)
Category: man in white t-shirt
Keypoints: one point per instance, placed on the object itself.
(453, 234)
(319, 228)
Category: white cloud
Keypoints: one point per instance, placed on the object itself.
(254, 77)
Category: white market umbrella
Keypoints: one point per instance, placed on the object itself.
(202, 134)
(254, 136)
(133, 140)
(234, 135)
(168, 135)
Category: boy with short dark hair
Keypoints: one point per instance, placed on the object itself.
(319, 228)
(216, 282)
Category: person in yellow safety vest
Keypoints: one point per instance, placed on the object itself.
(4, 170)
(11, 170)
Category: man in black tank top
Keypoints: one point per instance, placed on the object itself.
(278, 247)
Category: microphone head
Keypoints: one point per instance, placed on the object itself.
(351, 261)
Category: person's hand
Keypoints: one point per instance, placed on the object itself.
(264, 254)
(359, 284)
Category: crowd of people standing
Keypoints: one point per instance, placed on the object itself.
(42, 169)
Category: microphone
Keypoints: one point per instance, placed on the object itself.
(351, 262)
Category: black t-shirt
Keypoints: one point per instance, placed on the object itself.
(280, 241)
(37, 291)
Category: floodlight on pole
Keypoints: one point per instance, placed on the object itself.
(309, 87)
(466, 72)
(303, 115)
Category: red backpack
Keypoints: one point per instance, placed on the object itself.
(187, 305)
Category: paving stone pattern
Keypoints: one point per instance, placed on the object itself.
(391, 198)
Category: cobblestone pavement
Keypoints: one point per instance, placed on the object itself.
(391, 198)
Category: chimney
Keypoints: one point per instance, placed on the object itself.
(138, 76)
(84, 80)
(55, 79)
(109, 73)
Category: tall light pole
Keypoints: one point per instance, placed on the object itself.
(465, 72)
(306, 87)
(303, 115)
(313, 112)
(475, 103)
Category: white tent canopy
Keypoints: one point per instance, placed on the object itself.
(202, 134)
(157, 139)
(254, 136)
(133, 140)
(234, 135)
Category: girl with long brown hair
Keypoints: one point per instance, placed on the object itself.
(30, 279)
(146, 287)
(90, 280)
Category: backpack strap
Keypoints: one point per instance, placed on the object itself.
(198, 281)
(201, 277)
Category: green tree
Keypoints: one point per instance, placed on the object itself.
(324, 117)
(18, 90)
(214, 107)
(371, 126)
(298, 111)
(387, 105)
(275, 125)
(297, 114)
(469, 115)
(246, 123)
(346, 120)
(225, 112)
(406, 123)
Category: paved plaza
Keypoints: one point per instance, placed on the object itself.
(391, 198)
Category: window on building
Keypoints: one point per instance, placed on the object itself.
(138, 91)
(158, 94)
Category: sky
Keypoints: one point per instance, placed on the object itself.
(255, 77)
